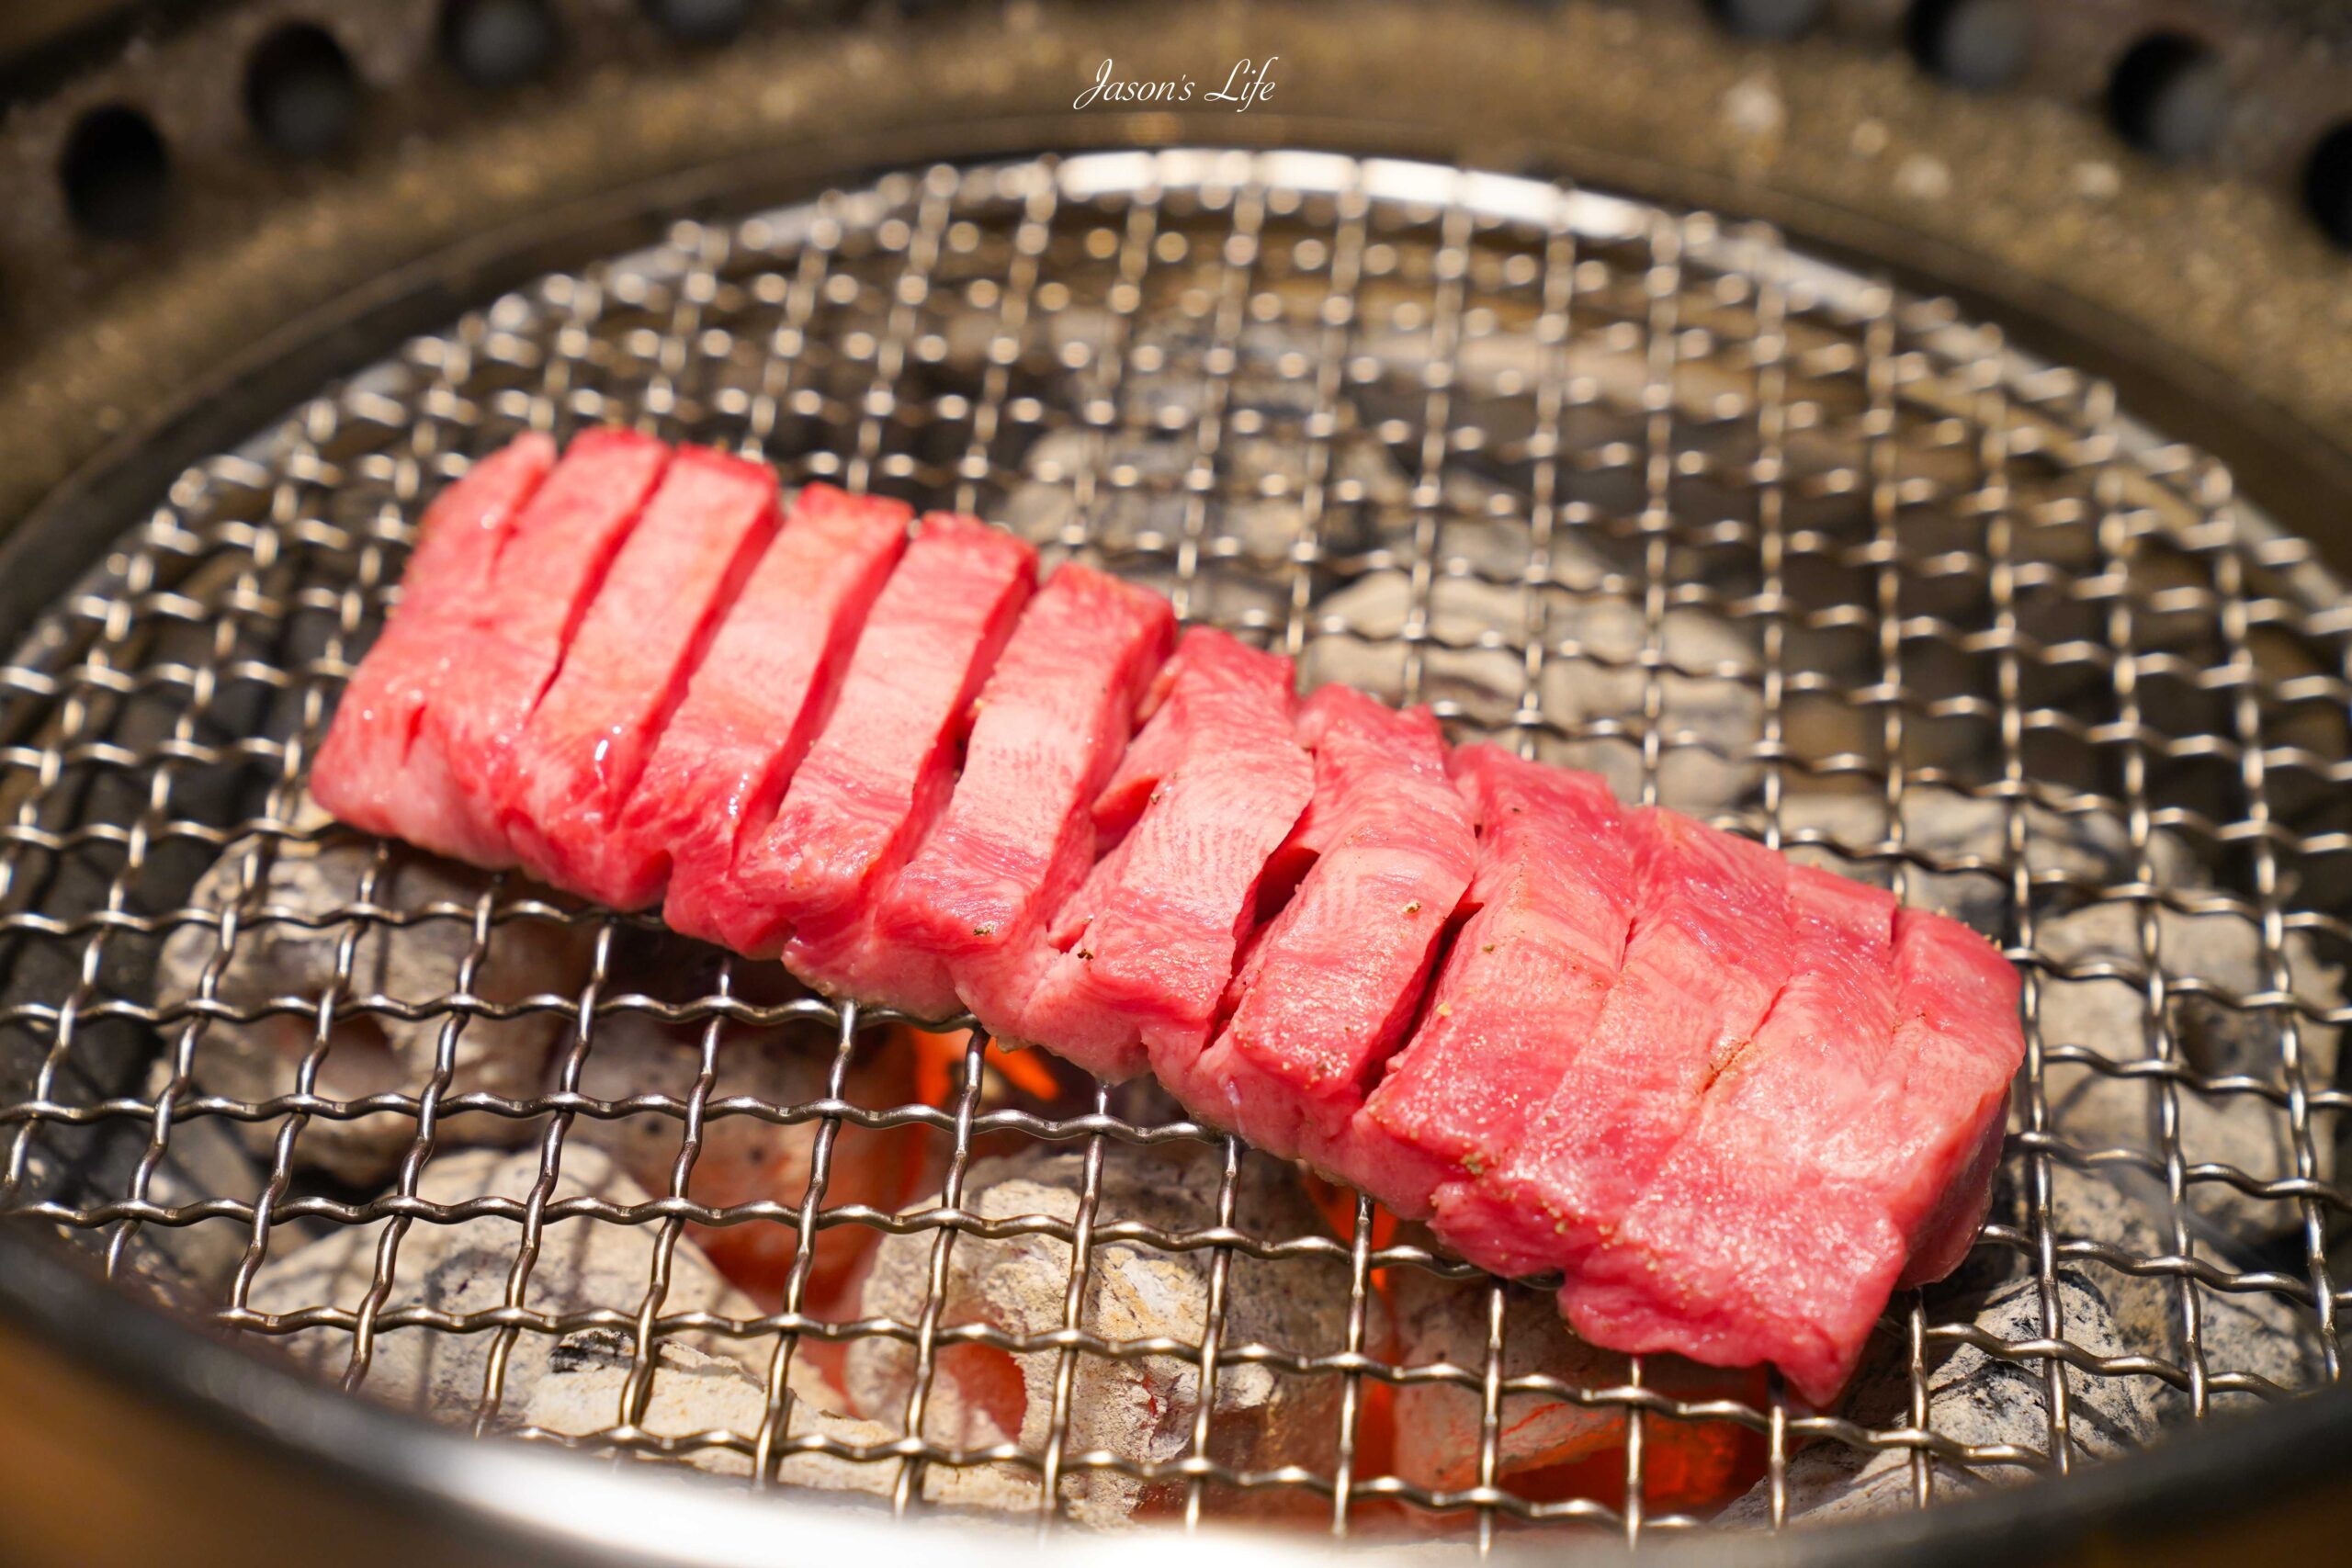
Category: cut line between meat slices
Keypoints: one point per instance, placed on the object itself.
(758, 699)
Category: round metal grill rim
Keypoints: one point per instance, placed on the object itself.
(1506, 200)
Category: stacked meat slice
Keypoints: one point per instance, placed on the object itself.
(1734, 1102)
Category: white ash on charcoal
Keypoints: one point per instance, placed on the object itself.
(1974, 1398)
(1438, 1424)
(2093, 1109)
(2254, 1332)
(1141, 1409)
(747, 1159)
(584, 1264)
(373, 1052)
(580, 1390)
(1716, 707)
(1948, 828)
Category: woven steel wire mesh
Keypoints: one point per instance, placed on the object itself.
(1621, 486)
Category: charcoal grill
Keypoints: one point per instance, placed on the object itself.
(1719, 471)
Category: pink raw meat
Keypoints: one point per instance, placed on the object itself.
(881, 768)
(1735, 1102)
(1521, 989)
(544, 579)
(1211, 786)
(1707, 953)
(1749, 1245)
(1328, 988)
(757, 699)
(1958, 1042)
(626, 670)
(1017, 836)
(368, 773)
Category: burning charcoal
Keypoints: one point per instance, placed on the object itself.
(584, 1264)
(1973, 1398)
(371, 1053)
(1141, 1409)
(2253, 1332)
(579, 1394)
(1721, 710)
(1690, 1465)
(746, 1159)
(2096, 1110)
(1947, 827)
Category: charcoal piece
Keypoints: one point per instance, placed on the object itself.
(1949, 829)
(2093, 1109)
(2253, 1332)
(1709, 719)
(285, 947)
(579, 1394)
(584, 1264)
(1975, 1398)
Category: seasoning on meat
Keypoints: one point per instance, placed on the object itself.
(627, 669)
(1521, 989)
(1708, 952)
(367, 771)
(1017, 835)
(541, 587)
(1747, 1244)
(756, 700)
(880, 769)
(1212, 786)
(1329, 987)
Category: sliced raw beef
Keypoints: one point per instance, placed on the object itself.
(1018, 834)
(367, 771)
(544, 579)
(1212, 786)
(1750, 1243)
(1958, 1042)
(1735, 1103)
(880, 769)
(1521, 989)
(1707, 954)
(756, 700)
(1329, 986)
(627, 669)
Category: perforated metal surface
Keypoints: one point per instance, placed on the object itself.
(1623, 487)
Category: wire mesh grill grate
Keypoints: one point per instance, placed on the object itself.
(1626, 488)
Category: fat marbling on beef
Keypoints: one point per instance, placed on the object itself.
(1522, 989)
(757, 699)
(539, 589)
(1328, 988)
(881, 769)
(1707, 953)
(1018, 834)
(1209, 790)
(367, 771)
(625, 671)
